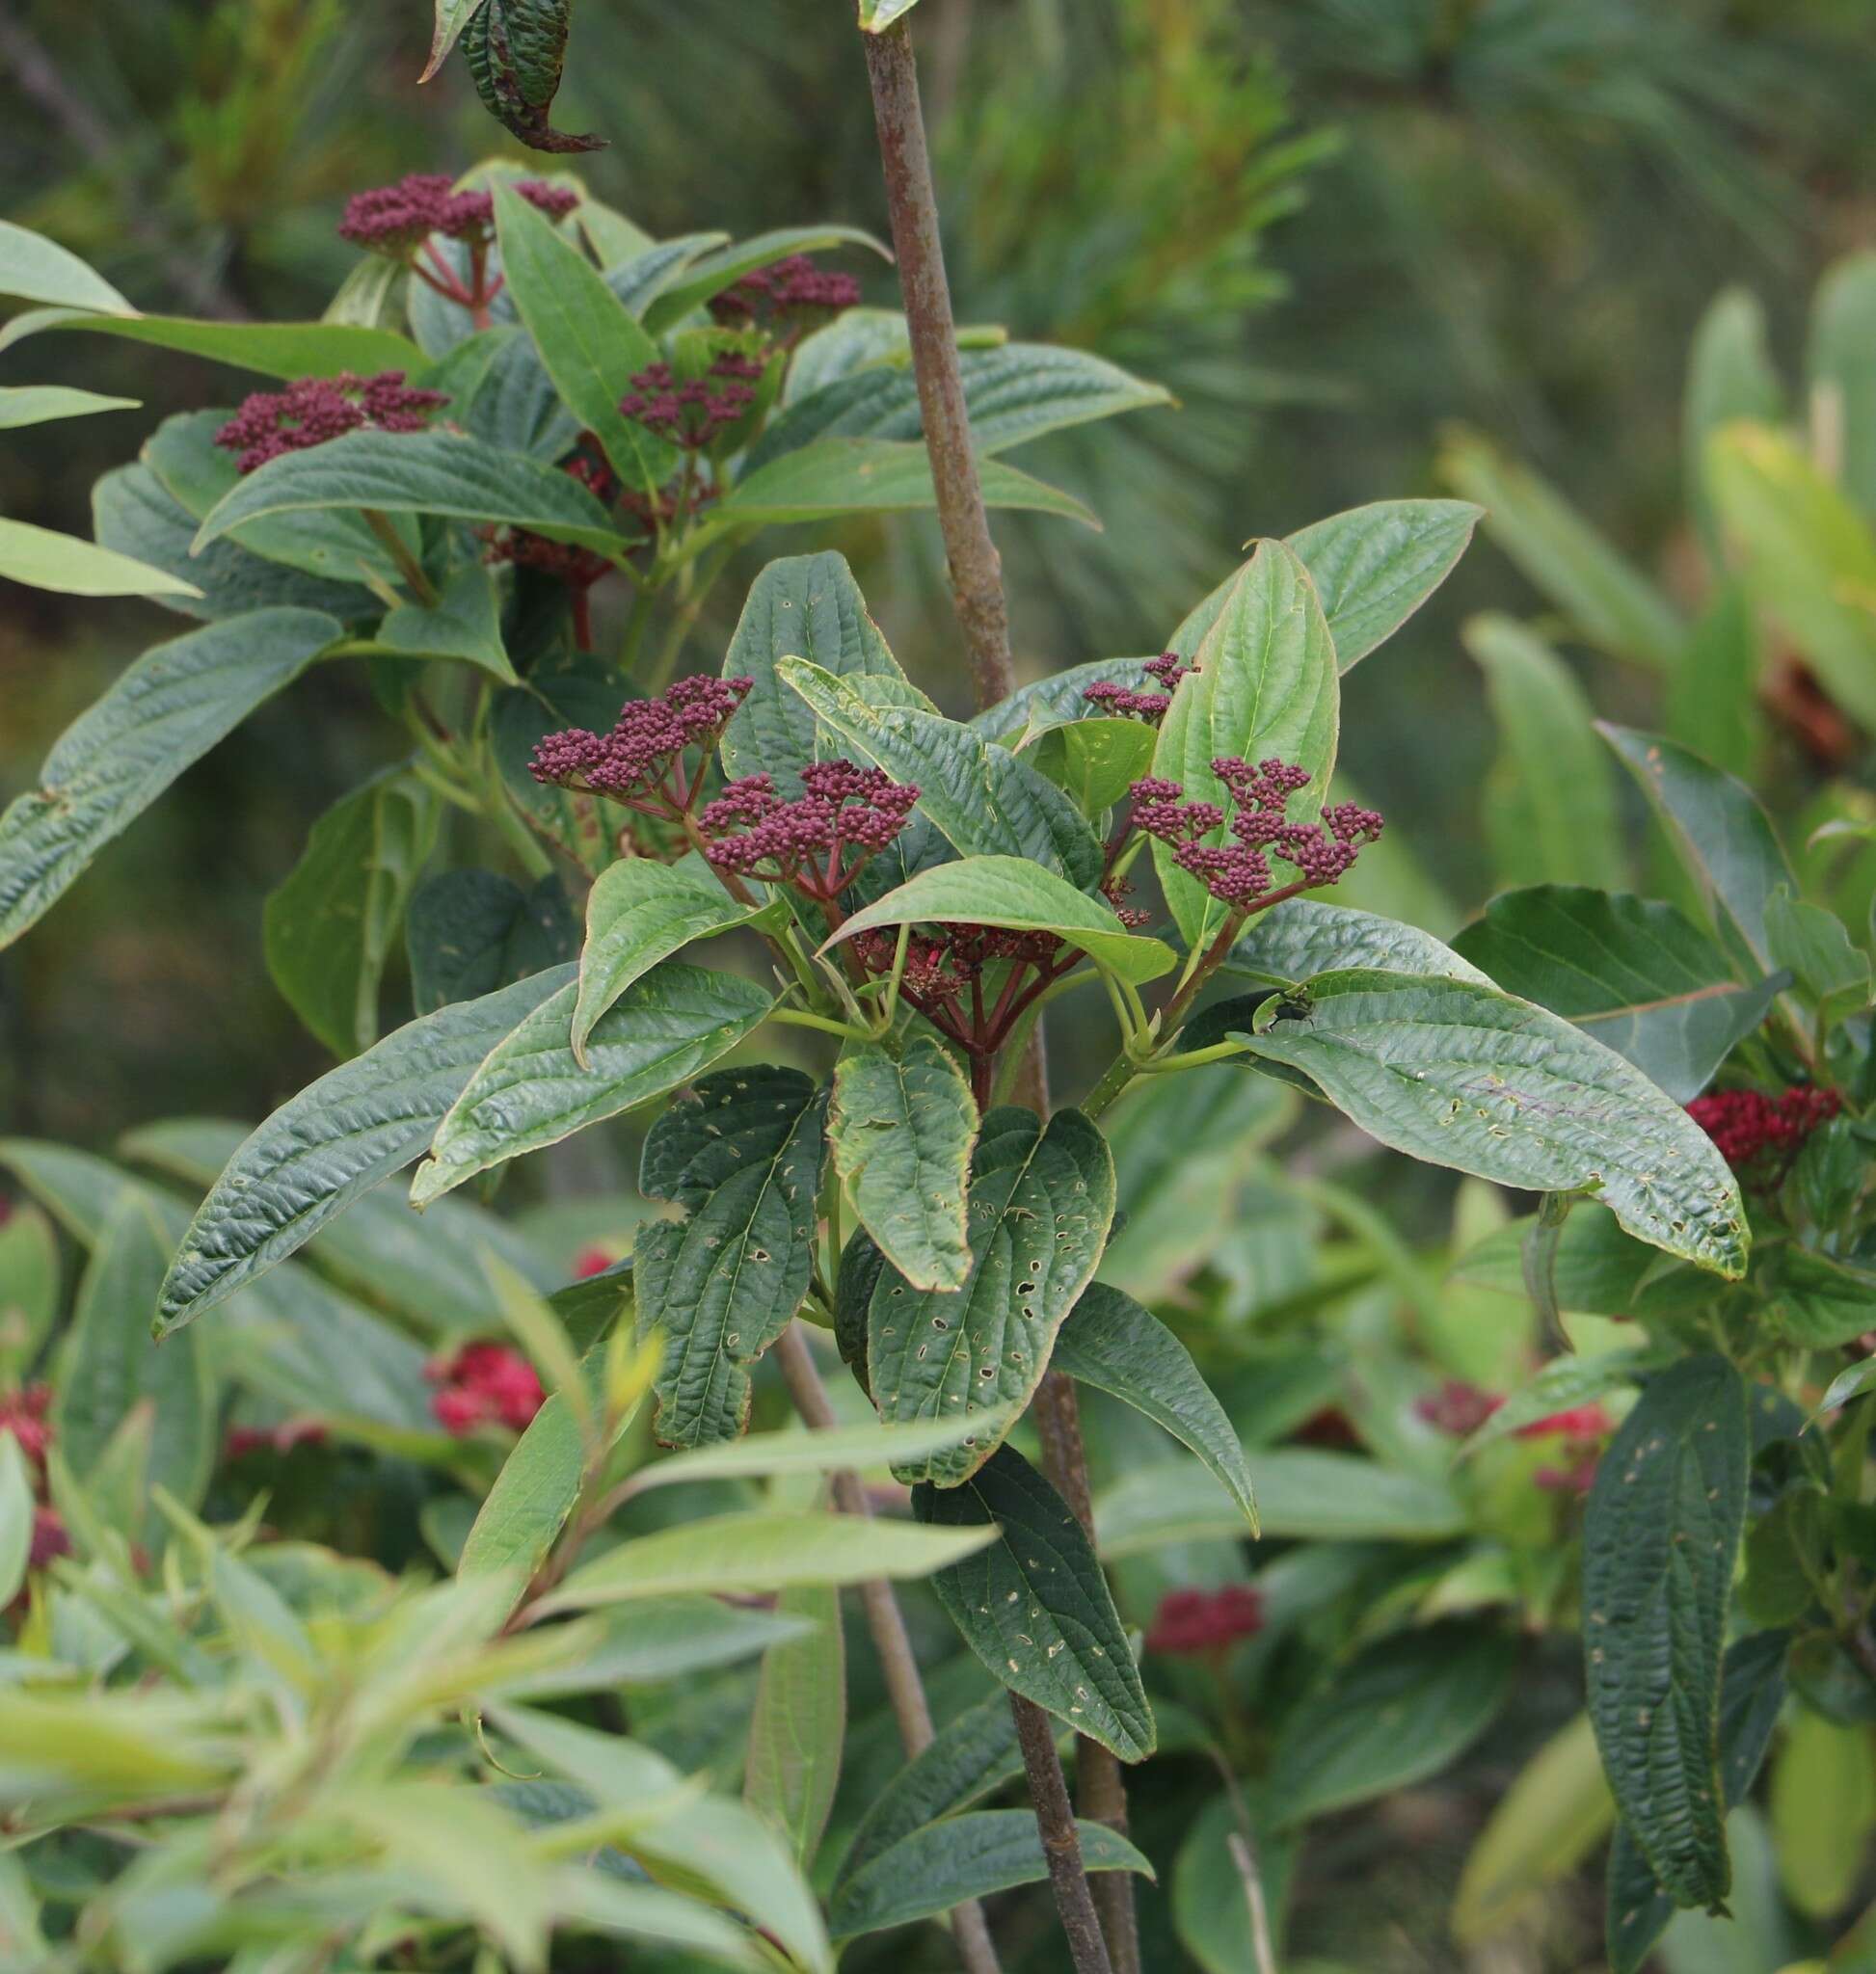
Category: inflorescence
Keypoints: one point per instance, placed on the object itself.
(396, 220)
(1124, 702)
(312, 410)
(695, 413)
(791, 291)
(1745, 1123)
(818, 843)
(641, 762)
(1239, 874)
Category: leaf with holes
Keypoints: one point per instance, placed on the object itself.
(741, 1155)
(1040, 1205)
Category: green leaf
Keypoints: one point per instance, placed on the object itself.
(1040, 1204)
(966, 1856)
(1399, 1712)
(901, 1126)
(1266, 685)
(1014, 394)
(1550, 803)
(1374, 566)
(1292, 942)
(29, 1289)
(15, 1535)
(530, 1092)
(44, 559)
(1718, 831)
(470, 932)
(755, 1553)
(464, 624)
(798, 1724)
(638, 913)
(452, 16)
(1303, 1495)
(836, 476)
(586, 694)
(336, 1139)
(1022, 896)
(725, 268)
(514, 50)
(740, 1155)
(420, 473)
(1637, 976)
(1730, 375)
(38, 404)
(858, 339)
(1597, 1268)
(275, 349)
(329, 926)
(1094, 761)
(805, 606)
(1660, 1540)
(588, 341)
(162, 715)
(1112, 1344)
(1842, 372)
(1462, 1075)
(1808, 557)
(35, 269)
(1752, 1697)
(877, 15)
(1608, 602)
(984, 800)
(108, 1365)
(1034, 1605)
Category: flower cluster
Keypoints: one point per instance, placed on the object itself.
(1205, 1623)
(819, 841)
(396, 220)
(315, 409)
(1126, 703)
(695, 413)
(484, 1384)
(1745, 1123)
(795, 288)
(641, 762)
(1239, 874)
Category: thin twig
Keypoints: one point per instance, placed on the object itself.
(1061, 1844)
(1260, 1919)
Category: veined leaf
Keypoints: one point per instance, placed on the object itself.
(1292, 942)
(741, 1155)
(1637, 976)
(798, 1724)
(1462, 1076)
(1820, 1303)
(275, 349)
(44, 559)
(1111, 1343)
(726, 266)
(531, 1091)
(470, 932)
(901, 1126)
(1034, 1605)
(638, 913)
(1659, 1545)
(420, 473)
(1040, 1204)
(1266, 685)
(984, 800)
(38, 404)
(1024, 896)
(163, 713)
(858, 339)
(336, 1139)
(35, 269)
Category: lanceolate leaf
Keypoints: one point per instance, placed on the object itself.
(1463, 1075)
(901, 1126)
(1635, 975)
(798, 1726)
(337, 1138)
(165, 712)
(741, 1155)
(1041, 1201)
(472, 931)
(1266, 685)
(1303, 937)
(514, 50)
(638, 913)
(1110, 1342)
(1660, 1541)
(1022, 896)
(531, 1091)
(43, 559)
(1034, 1607)
(983, 799)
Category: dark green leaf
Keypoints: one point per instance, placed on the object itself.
(585, 695)
(164, 713)
(642, 276)
(1660, 1541)
(741, 1155)
(1058, 700)
(514, 50)
(1034, 1607)
(1814, 945)
(470, 932)
(798, 1726)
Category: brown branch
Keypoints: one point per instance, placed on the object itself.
(1061, 1844)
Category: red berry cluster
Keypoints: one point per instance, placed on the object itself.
(484, 1384)
(1125, 703)
(1205, 1623)
(396, 220)
(312, 410)
(641, 762)
(1744, 1124)
(1239, 874)
(693, 413)
(790, 288)
(817, 843)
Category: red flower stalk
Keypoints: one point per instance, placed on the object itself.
(791, 289)
(315, 409)
(640, 763)
(484, 1384)
(1125, 703)
(820, 843)
(1205, 1623)
(695, 413)
(1744, 1124)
